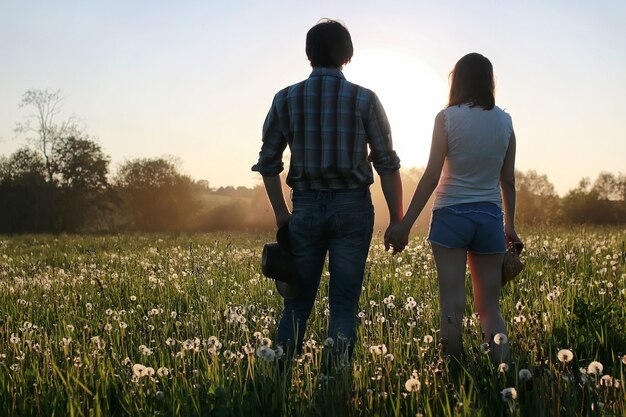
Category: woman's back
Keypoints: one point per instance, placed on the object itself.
(477, 143)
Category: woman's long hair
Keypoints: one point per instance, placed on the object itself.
(472, 82)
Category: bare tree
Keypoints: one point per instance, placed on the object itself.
(41, 126)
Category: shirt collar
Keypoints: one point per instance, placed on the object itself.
(327, 72)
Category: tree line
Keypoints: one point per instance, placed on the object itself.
(61, 181)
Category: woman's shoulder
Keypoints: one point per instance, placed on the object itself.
(502, 113)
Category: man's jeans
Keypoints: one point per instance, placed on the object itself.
(339, 222)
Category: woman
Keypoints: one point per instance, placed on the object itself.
(471, 166)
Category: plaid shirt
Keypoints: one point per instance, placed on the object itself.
(328, 124)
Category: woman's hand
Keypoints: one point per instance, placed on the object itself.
(397, 237)
(513, 239)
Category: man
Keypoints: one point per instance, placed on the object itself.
(328, 124)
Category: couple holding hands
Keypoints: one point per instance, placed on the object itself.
(336, 131)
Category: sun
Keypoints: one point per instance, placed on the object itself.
(411, 92)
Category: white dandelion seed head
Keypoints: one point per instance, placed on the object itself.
(565, 355)
(503, 368)
(329, 342)
(606, 381)
(500, 339)
(412, 385)
(266, 353)
(525, 375)
(508, 394)
(595, 368)
(139, 370)
(428, 339)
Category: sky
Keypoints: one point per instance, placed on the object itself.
(195, 79)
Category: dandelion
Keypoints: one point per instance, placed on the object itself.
(389, 357)
(89, 306)
(329, 342)
(412, 385)
(170, 342)
(163, 371)
(508, 394)
(503, 368)
(248, 349)
(500, 339)
(624, 359)
(139, 370)
(266, 353)
(525, 375)
(279, 352)
(606, 381)
(149, 371)
(133, 298)
(595, 368)
(160, 395)
(146, 351)
(565, 355)
(428, 339)
(14, 339)
(15, 367)
(378, 349)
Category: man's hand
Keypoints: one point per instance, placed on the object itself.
(282, 219)
(397, 237)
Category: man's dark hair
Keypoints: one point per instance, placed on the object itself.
(328, 44)
(472, 82)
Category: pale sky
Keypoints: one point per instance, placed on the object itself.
(195, 79)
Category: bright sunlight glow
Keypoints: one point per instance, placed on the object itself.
(411, 92)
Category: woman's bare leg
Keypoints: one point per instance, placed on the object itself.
(450, 265)
(486, 280)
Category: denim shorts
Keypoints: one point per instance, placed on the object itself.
(476, 227)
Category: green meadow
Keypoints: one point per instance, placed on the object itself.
(183, 325)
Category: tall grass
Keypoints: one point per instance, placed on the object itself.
(183, 325)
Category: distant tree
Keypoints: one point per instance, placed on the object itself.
(536, 199)
(156, 197)
(599, 203)
(23, 167)
(41, 128)
(81, 170)
(610, 187)
(26, 199)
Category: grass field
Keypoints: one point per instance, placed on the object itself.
(183, 325)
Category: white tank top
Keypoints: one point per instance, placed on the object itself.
(477, 143)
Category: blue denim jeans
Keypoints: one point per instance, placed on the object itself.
(340, 223)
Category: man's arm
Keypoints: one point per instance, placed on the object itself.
(392, 189)
(274, 190)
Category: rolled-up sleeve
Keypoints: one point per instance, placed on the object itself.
(270, 161)
(382, 155)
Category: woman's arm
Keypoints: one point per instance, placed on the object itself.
(399, 235)
(507, 185)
